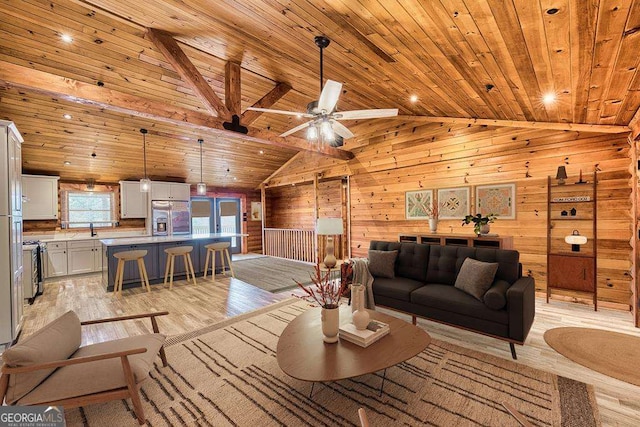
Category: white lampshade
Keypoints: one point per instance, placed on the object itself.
(575, 239)
(201, 189)
(329, 226)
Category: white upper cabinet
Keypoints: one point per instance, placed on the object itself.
(133, 202)
(40, 197)
(170, 191)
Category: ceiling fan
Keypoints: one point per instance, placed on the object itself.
(323, 124)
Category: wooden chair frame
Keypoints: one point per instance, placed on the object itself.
(132, 390)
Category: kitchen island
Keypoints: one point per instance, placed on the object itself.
(155, 260)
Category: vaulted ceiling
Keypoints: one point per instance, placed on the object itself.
(486, 59)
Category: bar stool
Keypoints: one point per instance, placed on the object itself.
(123, 257)
(212, 248)
(185, 251)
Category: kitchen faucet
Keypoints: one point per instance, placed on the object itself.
(93, 233)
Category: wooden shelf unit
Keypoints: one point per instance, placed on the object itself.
(497, 242)
(566, 269)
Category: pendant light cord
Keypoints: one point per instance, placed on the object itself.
(144, 150)
(200, 141)
(321, 67)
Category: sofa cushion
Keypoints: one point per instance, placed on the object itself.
(442, 266)
(57, 340)
(452, 299)
(412, 261)
(399, 288)
(92, 377)
(508, 260)
(382, 263)
(475, 277)
(496, 297)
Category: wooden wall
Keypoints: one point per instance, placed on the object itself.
(391, 161)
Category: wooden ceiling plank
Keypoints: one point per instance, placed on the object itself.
(267, 101)
(583, 15)
(606, 48)
(232, 88)
(82, 93)
(518, 124)
(165, 43)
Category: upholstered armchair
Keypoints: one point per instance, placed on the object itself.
(50, 367)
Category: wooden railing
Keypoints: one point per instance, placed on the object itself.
(299, 245)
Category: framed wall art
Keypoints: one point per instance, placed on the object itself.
(418, 204)
(454, 202)
(498, 199)
(256, 211)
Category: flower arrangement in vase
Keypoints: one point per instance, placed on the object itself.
(433, 212)
(480, 223)
(326, 293)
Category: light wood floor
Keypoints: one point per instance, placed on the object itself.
(193, 307)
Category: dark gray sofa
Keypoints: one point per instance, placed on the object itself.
(424, 286)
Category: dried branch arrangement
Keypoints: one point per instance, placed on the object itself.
(324, 291)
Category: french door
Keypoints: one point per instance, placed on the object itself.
(217, 215)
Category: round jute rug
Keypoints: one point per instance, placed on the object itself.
(611, 353)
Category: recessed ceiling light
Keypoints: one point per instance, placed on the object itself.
(67, 116)
(67, 163)
(549, 98)
(235, 179)
(298, 116)
(261, 151)
(413, 98)
(66, 38)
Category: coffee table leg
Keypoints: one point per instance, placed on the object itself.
(384, 376)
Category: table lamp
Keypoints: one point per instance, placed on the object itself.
(561, 175)
(329, 227)
(575, 240)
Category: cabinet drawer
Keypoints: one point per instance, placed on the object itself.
(56, 245)
(81, 244)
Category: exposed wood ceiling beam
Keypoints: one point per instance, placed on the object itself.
(232, 88)
(35, 81)
(578, 127)
(634, 124)
(265, 182)
(266, 101)
(165, 43)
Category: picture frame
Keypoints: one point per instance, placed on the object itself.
(454, 203)
(498, 199)
(256, 211)
(417, 204)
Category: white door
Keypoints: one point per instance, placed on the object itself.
(56, 263)
(80, 261)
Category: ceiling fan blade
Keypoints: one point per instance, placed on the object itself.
(295, 129)
(287, 113)
(366, 114)
(329, 96)
(342, 130)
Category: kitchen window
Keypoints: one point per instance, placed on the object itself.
(88, 207)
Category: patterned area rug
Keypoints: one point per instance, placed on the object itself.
(227, 375)
(272, 274)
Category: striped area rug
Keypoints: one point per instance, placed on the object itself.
(227, 375)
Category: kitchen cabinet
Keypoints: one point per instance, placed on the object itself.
(80, 257)
(40, 197)
(170, 191)
(133, 202)
(56, 259)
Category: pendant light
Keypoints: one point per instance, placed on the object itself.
(145, 183)
(201, 187)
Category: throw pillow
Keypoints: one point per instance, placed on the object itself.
(475, 277)
(382, 263)
(496, 296)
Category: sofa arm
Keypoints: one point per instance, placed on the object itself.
(521, 305)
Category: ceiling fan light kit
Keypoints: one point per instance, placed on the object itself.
(323, 124)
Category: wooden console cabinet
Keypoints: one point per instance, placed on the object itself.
(572, 207)
(497, 242)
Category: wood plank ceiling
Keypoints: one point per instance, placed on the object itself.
(486, 59)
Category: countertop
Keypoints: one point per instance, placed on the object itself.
(29, 247)
(161, 239)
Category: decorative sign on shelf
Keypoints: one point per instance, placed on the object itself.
(572, 199)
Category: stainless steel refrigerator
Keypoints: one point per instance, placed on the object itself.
(171, 218)
(11, 269)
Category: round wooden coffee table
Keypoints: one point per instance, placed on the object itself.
(302, 354)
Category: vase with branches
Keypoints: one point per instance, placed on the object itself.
(433, 212)
(326, 293)
(480, 223)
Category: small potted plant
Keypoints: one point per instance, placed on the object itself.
(480, 223)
